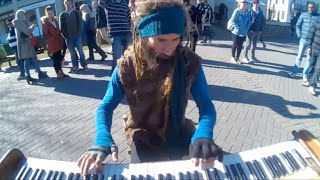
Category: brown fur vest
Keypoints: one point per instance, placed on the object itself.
(149, 96)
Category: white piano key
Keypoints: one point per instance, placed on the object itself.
(285, 163)
(220, 168)
(150, 170)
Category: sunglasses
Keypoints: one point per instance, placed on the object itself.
(255, 3)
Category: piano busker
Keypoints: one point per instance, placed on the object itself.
(156, 75)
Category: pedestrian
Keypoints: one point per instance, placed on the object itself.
(101, 19)
(206, 17)
(257, 25)
(193, 29)
(90, 30)
(71, 24)
(156, 74)
(52, 34)
(239, 25)
(304, 33)
(119, 26)
(314, 51)
(26, 51)
(12, 41)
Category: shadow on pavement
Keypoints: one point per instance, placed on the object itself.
(276, 103)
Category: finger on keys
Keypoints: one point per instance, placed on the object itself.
(115, 156)
(87, 163)
(195, 161)
(80, 160)
(208, 161)
(99, 162)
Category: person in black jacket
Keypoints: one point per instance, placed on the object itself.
(101, 19)
(193, 29)
(258, 21)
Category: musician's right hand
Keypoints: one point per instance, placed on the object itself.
(96, 155)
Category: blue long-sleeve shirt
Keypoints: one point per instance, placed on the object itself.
(115, 94)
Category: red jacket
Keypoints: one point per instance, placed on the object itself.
(52, 35)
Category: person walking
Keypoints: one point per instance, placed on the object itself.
(239, 25)
(26, 51)
(304, 33)
(90, 30)
(119, 26)
(193, 29)
(257, 24)
(52, 34)
(71, 25)
(12, 41)
(102, 22)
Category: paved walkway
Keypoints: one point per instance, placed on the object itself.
(257, 104)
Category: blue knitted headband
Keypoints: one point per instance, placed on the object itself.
(162, 21)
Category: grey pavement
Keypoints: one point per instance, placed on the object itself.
(257, 104)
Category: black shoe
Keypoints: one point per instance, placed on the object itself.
(21, 77)
(42, 75)
(90, 59)
(30, 80)
(103, 57)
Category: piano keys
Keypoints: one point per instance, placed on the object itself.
(297, 159)
(287, 160)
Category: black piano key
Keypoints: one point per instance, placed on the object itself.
(77, 176)
(241, 171)
(169, 176)
(21, 172)
(260, 169)
(252, 170)
(61, 175)
(275, 167)
(269, 167)
(121, 177)
(208, 174)
(94, 177)
(198, 175)
(48, 175)
(234, 172)
(290, 157)
(87, 177)
(189, 175)
(161, 177)
(114, 177)
(181, 175)
(289, 164)
(54, 175)
(70, 176)
(133, 177)
(228, 173)
(27, 173)
(216, 174)
(40, 174)
(280, 165)
(302, 160)
(149, 177)
(35, 173)
(101, 177)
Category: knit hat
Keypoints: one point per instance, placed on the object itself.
(162, 21)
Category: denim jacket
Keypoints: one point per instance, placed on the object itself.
(241, 21)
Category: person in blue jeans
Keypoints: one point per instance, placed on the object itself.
(26, 51)
(304, 32)
(71, 25)
(156, 75)
(119, 26)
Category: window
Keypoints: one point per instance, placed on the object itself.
(282, 14)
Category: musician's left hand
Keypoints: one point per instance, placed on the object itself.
(96, 155)
(205, 151)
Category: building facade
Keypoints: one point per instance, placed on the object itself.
(34, 10)
(285, 10)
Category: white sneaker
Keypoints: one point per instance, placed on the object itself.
(245, 60)
(305, 83)
(304, 78)
(312, 90)
(233, 60)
